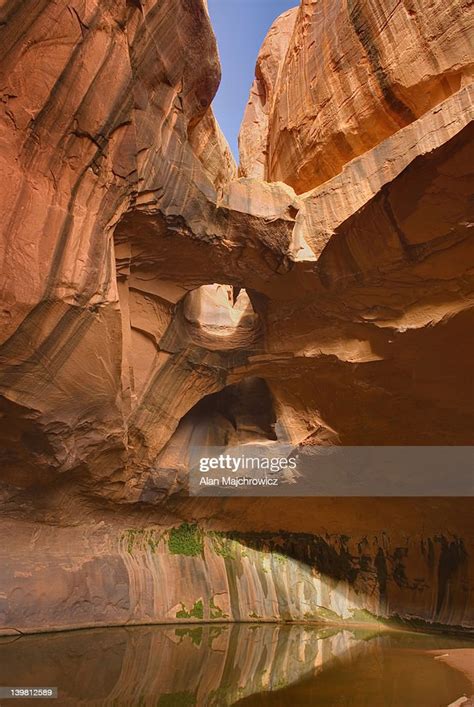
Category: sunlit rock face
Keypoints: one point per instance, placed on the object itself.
(254, 133)
(152, 300)
(221, 317)
(335, 78)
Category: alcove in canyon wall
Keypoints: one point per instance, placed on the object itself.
(149, 293)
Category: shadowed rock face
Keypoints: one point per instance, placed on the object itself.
(149, 296)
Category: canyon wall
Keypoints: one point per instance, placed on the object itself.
(333, 79)
(337, 561)
(151, 297)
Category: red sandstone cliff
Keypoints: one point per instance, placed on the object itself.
(353, 302)
(335, 78)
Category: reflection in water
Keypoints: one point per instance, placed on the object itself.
(265, 664)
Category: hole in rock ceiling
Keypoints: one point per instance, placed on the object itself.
(220, 310)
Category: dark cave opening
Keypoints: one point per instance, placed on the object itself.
(239, 413)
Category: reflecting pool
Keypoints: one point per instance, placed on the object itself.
(243, 664)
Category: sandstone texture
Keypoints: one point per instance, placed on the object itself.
(153, 300)
(343, 76)
(121, 567)
(254, 132)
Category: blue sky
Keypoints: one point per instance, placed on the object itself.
(240, 27)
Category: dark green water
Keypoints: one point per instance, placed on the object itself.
(248, 665)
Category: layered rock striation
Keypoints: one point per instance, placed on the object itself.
(334, 79)
(151, 297)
